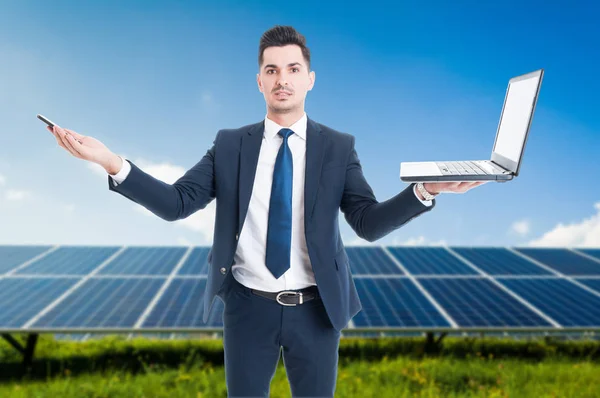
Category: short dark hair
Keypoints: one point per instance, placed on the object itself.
(281, 36)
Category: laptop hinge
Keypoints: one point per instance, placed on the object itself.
(502, 167)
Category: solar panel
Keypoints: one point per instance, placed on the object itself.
(500, 261)
(371, 261)
(196, 263)
(595, 253)
(563, 261)
(22, 298)
(591, 283)
(395, 302)
(430, 260)
(567, 303)
(181, 307)
(103, 303)
(145, 261)
(69, 260)
(477, 302)
(142, 288)
(12, 256)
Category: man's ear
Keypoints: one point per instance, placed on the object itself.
(259, 82)
(312, 77)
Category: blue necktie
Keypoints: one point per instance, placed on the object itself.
(279, 232)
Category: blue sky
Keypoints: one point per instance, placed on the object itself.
(155, 81)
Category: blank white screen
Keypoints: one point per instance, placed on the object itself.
(515, 119)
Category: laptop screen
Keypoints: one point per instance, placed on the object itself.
(516, 116)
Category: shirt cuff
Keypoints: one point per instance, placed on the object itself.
(425, 202)
(122, 174)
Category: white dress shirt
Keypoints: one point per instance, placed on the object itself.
(249, 266)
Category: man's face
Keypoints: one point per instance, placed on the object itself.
(284, 69)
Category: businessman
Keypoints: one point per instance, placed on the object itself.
(277, 260)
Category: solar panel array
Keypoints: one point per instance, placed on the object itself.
(74, 289)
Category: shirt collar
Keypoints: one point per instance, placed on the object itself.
(299, 128)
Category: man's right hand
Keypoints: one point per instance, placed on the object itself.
(87, 148)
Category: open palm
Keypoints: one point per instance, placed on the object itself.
(81, 146)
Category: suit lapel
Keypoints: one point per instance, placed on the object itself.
(249, 152)
(315, 144)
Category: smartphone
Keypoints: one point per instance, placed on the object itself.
(45, 120)
(50, 123)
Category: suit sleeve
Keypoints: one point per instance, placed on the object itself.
(122, 174)
(370, 219)
(190, 193)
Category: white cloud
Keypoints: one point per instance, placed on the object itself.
(420, 241)
(521, 227)
(585, 233)
(16, 195)
(183, 241)
(13, 194)
(361, 242)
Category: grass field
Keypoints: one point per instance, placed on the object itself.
(368, 368)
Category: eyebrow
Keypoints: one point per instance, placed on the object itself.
(275, 66)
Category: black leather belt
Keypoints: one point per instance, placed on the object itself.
(290, 297)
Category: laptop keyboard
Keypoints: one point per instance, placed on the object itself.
(468, 167)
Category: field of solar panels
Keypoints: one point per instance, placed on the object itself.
(453, 301)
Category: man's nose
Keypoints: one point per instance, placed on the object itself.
(282, 82)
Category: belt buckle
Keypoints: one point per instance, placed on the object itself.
(288, 292)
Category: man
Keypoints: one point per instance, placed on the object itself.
(277, 261)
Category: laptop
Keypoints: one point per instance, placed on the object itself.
(509, 144)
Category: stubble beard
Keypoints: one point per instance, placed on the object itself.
(282, 108)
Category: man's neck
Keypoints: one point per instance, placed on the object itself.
(287, 119)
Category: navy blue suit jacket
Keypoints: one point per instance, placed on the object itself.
(333, 181)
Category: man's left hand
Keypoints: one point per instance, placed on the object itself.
(453, 187)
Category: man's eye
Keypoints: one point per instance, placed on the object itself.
(272, 70)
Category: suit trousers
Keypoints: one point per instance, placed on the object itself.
(256, 330)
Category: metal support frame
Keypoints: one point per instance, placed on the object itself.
(432, 344)
(27, 351)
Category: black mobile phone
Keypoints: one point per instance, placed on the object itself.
(45, 120)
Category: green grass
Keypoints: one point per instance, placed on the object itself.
(368, 368)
